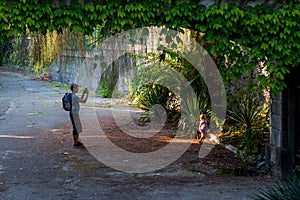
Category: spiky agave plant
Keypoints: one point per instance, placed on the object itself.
(191, 109)
(288, 191)
(247, 112)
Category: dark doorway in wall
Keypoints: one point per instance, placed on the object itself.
(297, 121)
(293, 116)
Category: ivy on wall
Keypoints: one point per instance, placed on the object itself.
(238, 38)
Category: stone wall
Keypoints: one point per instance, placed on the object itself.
(87, 71)
(110, 60)
(65, 69)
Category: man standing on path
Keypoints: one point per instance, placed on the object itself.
(74, 113)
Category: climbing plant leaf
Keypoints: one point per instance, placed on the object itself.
(234, 34)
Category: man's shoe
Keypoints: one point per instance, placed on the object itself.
(78, 145)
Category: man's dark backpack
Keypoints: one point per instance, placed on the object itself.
(67, 102)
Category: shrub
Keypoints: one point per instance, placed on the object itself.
(287, 191)
(251, 121)
(151, 94)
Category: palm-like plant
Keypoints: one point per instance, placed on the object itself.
(247, 112)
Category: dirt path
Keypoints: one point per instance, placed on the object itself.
(38, 161)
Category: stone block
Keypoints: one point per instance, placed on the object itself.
(277, 122)
(277, 107)
(279, 97)
(275, 137)
(279, 158)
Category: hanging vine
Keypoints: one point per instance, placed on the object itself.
(239, 37)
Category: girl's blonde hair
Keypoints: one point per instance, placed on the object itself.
(202, 117)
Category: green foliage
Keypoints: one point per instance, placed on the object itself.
(239, 37)
(18, 52)
(105, 88)
(189, 121)
(5, 51)
(246, 110)
(252, 121)
(213, 117)
(282, 191)
(33, 51)
(191, 108)
(59, 85)
(108, 81)
(252, 39)
(151, 94)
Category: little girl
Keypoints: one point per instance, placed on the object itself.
(202, 126)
